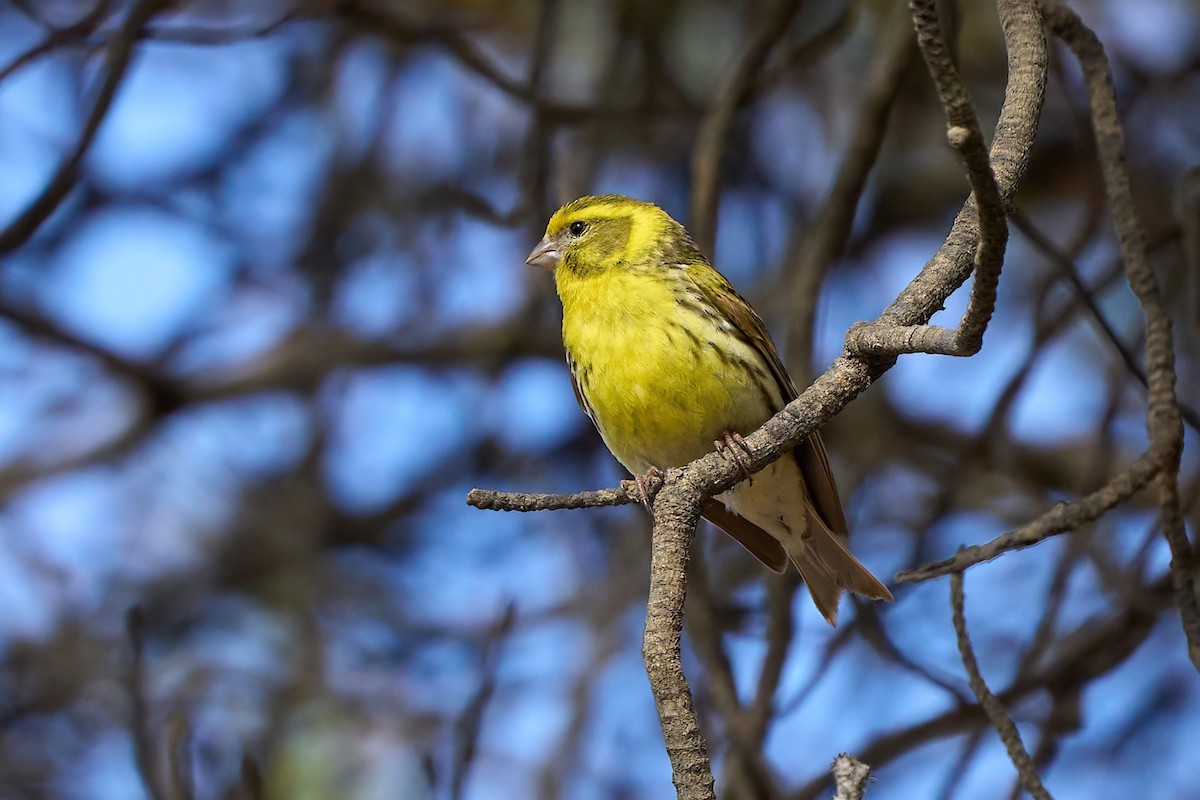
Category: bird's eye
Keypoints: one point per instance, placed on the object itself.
(578, 227)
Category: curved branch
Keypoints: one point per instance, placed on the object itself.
(1061, 518)
(984, 215)
(117, 63)
(1163, 422)
(988, 701)
(826, 237)
(954, 261)
(714, 130)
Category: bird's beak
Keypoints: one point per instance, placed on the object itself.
(544, 255)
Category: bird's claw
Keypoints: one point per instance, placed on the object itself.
(734, 447)
(641, 483)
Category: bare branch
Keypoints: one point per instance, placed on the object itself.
(117, 61)
(58, 37)
(145, 742)
(470, 723)
(988, 206)
(746, 771)
(850, 777)
(992, 706)
(1086, 296)
(675, 519)
(473, 58)
(714, 130)
(954, 261)
(677, 505)
(1163, 423)
(252, 782)
(1091, 650)
(827, 235)
(179, 757)
(1061, 518)
(491, 500)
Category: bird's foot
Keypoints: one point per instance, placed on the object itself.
(642, 484)
(734, 447)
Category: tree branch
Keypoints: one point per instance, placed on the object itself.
(144, 740)
(491, 500)
(1061, 518)
(1163, 422)
(58, 37)
(117, 61)
(992, 706)
(986, 205)
(850, 777)
(714, 130)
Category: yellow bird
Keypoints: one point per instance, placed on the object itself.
(668, 361)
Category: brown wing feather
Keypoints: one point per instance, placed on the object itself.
(735, 308)
(762, 545)
(810, 454)
(579, 398)
(818, 477)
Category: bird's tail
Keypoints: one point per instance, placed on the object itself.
(828, 567)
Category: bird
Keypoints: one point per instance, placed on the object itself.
(669, 361)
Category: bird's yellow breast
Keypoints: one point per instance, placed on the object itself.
(662, 381)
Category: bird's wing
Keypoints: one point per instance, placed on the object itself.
(810, 454)
(762, 545)
(733, 307)
(579, 398)
(814, 465)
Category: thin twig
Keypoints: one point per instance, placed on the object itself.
(1061, 518)
(1187, 211)
(780, 628)
(714, 130)
(850, 777)
(1093, 649)
(988, 701)
(252, 783)
(117, 62)
(470, 723)
(826, 237)
(466, 52)
(1067, 267)
(144, 740)
(986, 204)
(181, 769)
(746, 771)
(491, 500)
(1163, 422)
(59, 37)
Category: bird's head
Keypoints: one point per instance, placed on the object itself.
(593, 234)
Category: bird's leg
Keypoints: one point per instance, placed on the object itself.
(734, 447)
(642, 483)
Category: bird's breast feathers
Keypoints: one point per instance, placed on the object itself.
(660, 378)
